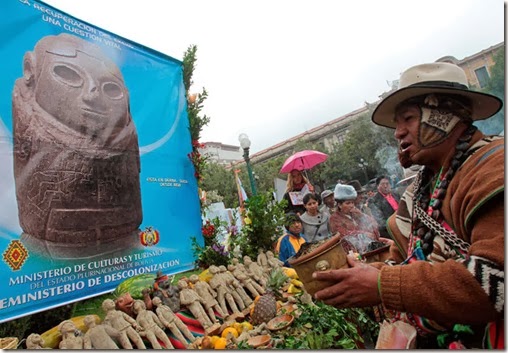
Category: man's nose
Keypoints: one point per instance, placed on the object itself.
(400, 131)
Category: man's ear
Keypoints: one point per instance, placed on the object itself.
(29, 69)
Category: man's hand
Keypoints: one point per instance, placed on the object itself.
(354, 287)
(386, 241)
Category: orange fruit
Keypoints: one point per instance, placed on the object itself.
(220, 343)
(231, 330)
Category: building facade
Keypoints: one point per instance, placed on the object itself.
(476, 66)
(220, 153)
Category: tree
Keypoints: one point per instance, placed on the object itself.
(495, 86)
(194, 106)
(367, 141)
(217, 177)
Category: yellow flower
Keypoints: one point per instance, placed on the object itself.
(247, 220)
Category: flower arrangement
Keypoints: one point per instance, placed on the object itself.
(214, 250)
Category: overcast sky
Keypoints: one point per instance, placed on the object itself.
(276, 68)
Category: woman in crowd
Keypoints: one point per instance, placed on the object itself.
(295, 183)
(316, 225)
(348, 220)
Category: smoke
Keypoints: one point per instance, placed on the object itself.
(389, 161)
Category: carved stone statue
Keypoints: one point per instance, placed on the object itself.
(76, 154)
(125, 325)
(152, 327)
(255, 271)
(194, 302)
(72, 338)
(172, 322)
(208, 295)
(99, 336)
(244, 299)
(217, 282)
(34, 341)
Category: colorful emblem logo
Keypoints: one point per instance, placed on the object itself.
(15, 255)
(149, 236)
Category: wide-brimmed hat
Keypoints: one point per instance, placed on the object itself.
(438, 77)
(326, 193)
(358, 187)
(344, 192)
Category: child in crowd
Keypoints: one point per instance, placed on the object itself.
(289, 244)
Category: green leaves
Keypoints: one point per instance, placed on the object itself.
(323, 327)
(266, 217)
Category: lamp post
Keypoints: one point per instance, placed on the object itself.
(245, 144)
(363, 164)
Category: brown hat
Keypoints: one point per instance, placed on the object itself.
(356, 184)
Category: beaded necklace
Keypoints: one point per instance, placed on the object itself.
(430, 201)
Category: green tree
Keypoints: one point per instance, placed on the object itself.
(497, 82)
(194, 107)
(495, 86)
(266, 172)
(217, 177)
(365, 140)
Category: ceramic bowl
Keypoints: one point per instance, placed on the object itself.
(328, 255)
(258, 341)
(280, 322)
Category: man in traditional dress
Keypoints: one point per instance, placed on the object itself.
(447, 261)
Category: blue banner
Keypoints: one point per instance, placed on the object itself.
(96, 184)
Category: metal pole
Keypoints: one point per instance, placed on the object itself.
(249, 170)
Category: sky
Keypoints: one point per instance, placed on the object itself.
(275, 69)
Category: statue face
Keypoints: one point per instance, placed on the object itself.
(81, 93)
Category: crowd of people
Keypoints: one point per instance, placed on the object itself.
(445, 272)
(347, 211)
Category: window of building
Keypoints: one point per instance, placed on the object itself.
(482, 75)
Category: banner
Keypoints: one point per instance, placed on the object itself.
(95, 182)
(242, 195)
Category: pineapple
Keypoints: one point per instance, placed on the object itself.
(265, 308)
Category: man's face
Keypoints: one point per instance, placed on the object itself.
(81, 93)
(360, 198)
(329, 201)
(384, 186)
(407, 120)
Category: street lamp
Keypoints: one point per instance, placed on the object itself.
(363, 164)
(245, 144)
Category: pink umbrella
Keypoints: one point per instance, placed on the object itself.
(303, 160)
